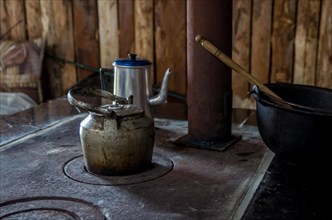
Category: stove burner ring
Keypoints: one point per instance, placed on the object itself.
(49, 208)
(75, 170)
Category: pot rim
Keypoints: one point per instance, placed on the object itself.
(271, 101)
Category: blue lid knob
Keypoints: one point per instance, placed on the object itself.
(131, 61)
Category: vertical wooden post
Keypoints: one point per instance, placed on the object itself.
(108, 32)
(12, 20)
(170, 43)
(261, 39)
(144, 46)
(306, 42)
(324, 61)
(127, 28)
(241, 52)
(209, 80)
(86, 42)
(33, 19)
(57, 25)
(282, 53)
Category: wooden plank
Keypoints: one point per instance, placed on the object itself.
(108, 32)
(306, 41)
(324, 61)
(283, 36)
(3, 18)
(34, 32)
(144, 46)
(126, 26)
(33, 18)
(12, 15)
(261, 39)
(170, 43)
(86, 41)
(58, 27)
(241, 52)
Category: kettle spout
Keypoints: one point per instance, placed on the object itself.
(161, 97)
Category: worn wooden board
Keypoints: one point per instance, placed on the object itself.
(170, 46)
(33, 19)
(144, 38)
(283, 35)
(306, 41)
(324, 65)
(85, 37)
(108, 32)
(58, 27)
(241, 52)
(127, 28)
(261, 39)
(12, 20)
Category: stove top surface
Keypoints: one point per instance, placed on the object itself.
(43, 175)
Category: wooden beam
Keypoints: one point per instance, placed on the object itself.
(108, 32)
(86, 40)
(261, 39)
(33, 19)
(12, 20)
(58, 27)
(324, 61)
(282, 56)
(127, 28)
(170, 43)
(144, 45)
(241, 52)
(306, 41)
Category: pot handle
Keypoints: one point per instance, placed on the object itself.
(257, 94)
(102, 72)
(267, 98)
(117, 101)
(254, 92)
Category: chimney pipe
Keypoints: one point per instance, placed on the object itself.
(209, 92)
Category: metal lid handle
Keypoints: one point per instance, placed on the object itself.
(117, 101)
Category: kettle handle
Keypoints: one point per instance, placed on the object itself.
(105, 109)
(102, 72)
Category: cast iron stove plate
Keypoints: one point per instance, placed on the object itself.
(60, 208)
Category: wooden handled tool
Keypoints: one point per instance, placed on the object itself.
(232, 64)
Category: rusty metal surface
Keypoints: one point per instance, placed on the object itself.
(60, 208)
(202, 184)
(209, 80)
(23, 123)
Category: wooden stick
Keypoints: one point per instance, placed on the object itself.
(232, 64)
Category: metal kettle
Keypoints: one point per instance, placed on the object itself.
(131, 81)
(116, 138)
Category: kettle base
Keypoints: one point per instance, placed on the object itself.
(116, 172)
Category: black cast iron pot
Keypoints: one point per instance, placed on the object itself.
(299, 133)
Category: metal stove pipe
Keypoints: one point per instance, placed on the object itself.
(209, 93)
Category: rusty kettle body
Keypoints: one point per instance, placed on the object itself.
(116, 138)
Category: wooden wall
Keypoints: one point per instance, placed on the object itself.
(282, 40)
(276, 40)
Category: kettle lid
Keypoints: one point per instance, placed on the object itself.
(119, 105)
(127, 110)
(131, 61)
